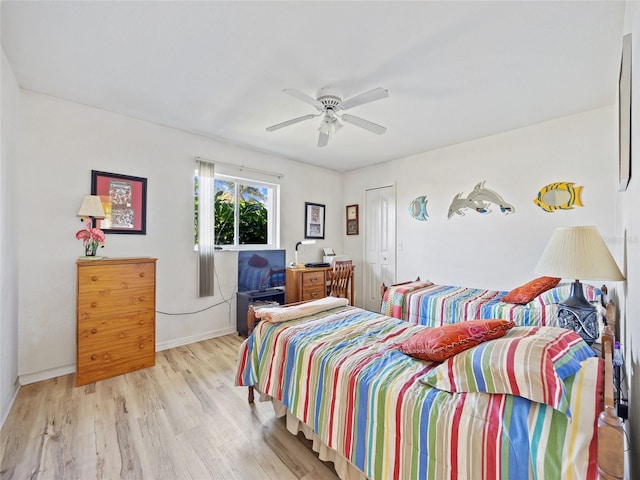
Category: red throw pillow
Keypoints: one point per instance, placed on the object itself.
(438, 344)
(527, 292)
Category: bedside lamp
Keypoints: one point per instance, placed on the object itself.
(578, 253)
(303, 242)
(91, 207)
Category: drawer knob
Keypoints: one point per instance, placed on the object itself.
(94, 304)
(142, 274)
(93, 330)
(141, 299)
(94, 278)
(94, 356)
(141, 322)
(314, 294)
(314, 279)
(141, 345)
(122, 335)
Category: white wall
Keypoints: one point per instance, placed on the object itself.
(60, 143)
(495, 250)
(628, 249)
(8, 242)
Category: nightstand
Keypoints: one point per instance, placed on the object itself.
(306, 283)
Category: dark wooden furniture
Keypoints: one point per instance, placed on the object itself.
(247, 299)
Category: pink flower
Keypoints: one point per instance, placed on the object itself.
(90, 235)
(97, 234)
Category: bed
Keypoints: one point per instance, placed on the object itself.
(339, 376)
(432, 305)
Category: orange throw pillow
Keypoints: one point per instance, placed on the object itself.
(529, 291)
(438, 344)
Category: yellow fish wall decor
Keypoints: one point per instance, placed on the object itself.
(559, 196)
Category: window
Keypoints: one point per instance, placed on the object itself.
(245, 212)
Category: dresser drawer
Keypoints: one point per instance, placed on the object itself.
(111, 302)
(116, 350)
(311, 279)
(120, 357)
(106, 330)
(314, 292)
(100, 277)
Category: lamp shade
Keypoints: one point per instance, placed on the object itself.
(91, 207)
(578, 253)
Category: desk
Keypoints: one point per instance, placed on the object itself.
(308, 283)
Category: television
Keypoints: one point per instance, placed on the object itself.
(261, 270)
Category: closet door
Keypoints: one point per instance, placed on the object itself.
(380, 243)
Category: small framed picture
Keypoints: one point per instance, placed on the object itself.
(313, 220)
(352, 219)
(124, 199)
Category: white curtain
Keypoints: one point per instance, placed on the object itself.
(206, 240)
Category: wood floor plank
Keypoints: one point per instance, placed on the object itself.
(181, 419)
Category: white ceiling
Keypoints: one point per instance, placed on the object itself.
(455, 71)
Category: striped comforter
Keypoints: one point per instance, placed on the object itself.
(341, 373)
(394, 302)
(435, 305)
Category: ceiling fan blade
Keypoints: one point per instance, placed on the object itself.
(323, 139)
(304, 97)
(290, 122)
(362, 123)
(366, 97)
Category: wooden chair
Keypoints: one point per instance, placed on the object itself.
(340, 281)
(342, 262)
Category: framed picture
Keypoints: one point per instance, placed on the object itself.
(313, 220)
(124, 200)
(624, 115)
(352, 219)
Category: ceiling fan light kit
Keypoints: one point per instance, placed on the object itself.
(328, 104)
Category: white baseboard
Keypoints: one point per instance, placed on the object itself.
(46, 374)
(178, 342)
(11, 399)
(67, 369)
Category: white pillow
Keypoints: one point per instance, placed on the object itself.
(282, 314)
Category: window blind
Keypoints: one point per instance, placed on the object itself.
(206, 240)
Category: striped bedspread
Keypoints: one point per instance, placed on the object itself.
(435, 305)
(394, 301)
(342, 374)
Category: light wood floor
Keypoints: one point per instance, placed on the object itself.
(182, 419)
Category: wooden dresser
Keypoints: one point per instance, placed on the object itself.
(116, 322)
(306, 283)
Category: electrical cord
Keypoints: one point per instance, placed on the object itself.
(195, 311)
(228, 301)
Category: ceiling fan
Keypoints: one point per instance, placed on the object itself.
(329, 104)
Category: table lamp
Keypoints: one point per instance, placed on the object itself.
(578, 253)
(91, 207)
(302, 242)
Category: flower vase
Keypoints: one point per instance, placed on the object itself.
(90, 249)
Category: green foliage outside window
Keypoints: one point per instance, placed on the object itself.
(252, 226)
(252, 214)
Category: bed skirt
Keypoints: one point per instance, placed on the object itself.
(345, 469)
